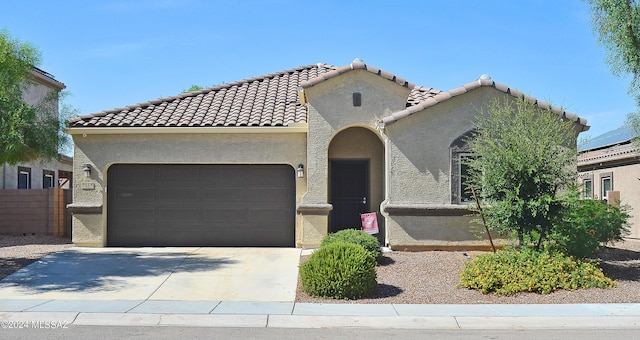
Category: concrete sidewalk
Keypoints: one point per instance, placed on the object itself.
(241, 287)
(308, 315)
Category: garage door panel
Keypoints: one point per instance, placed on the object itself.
(178, 193)
(134, 194)
(177, 174)
(230, 215)
(223, 194)
(201, 205)
(132, 215)
(180, 214)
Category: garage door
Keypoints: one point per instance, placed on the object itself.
(201, 205)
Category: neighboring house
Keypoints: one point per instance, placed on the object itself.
(611, 163)
(41, 173)
(281, 160)
(42, 209)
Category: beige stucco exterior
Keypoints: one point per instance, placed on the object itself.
(625, 175)
(410, 161)
(103, 150)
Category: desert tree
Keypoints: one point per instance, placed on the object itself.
(27, 131)
(524, 157)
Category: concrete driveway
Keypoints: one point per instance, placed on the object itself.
(186, 274)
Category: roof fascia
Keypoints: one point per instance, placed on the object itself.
(45, 80)
(297, 128)
(356, 65)
(483, 81)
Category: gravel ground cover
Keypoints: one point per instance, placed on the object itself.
(405, 277)
(432, 277)
(19, 251)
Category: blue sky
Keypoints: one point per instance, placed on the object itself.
(117, 53)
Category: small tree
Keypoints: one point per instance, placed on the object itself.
(27, 132)
(526, 156)
(616, 23)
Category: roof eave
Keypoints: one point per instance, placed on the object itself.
(292, 128)
(356, 65)
(481, 82)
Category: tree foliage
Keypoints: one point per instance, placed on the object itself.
(27, 132)
(526, 156)
(617, 25)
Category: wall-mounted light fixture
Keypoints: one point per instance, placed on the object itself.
(300, 171)
(87, 170)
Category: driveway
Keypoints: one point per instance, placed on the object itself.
(186, 274)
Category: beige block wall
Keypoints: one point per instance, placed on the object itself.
(102, 151)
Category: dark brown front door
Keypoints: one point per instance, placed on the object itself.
(349, 193)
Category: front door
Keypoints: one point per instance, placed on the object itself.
(349, 193)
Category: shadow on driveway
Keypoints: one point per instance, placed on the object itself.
(81, 271)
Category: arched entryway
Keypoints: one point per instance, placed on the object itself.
(356, 178)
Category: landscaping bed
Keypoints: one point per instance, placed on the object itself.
(432, 277)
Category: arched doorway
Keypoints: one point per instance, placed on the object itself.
(356, 178)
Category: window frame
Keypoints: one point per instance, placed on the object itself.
(605, 176)
(587, 178)
(24, 172)
(462, 181)
(48, 177)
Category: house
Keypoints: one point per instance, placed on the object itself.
(42, 208)
(281, 160)
(38, 174)
(608, 164)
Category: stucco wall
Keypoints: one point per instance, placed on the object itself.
(331, 110)
(9, 173)
(420, 194)
(101, 151)
(626, 181)
(361, 143)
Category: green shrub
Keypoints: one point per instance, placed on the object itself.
(507, 272)
(340, 271)
(354, 236)
(586, 225)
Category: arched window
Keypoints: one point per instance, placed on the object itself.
(459, 150)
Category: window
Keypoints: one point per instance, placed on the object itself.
(587, 188)
(48, 179)
(459, 171)
(465, 194)
(24, 178)
(606, 184)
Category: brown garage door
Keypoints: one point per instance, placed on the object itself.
(201, 205)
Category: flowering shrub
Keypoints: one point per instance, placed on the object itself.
(508, 272)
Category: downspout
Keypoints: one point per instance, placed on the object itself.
(387, 171)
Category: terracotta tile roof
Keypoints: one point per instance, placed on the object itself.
(357, 64)
(484, 80)
(269, 100)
